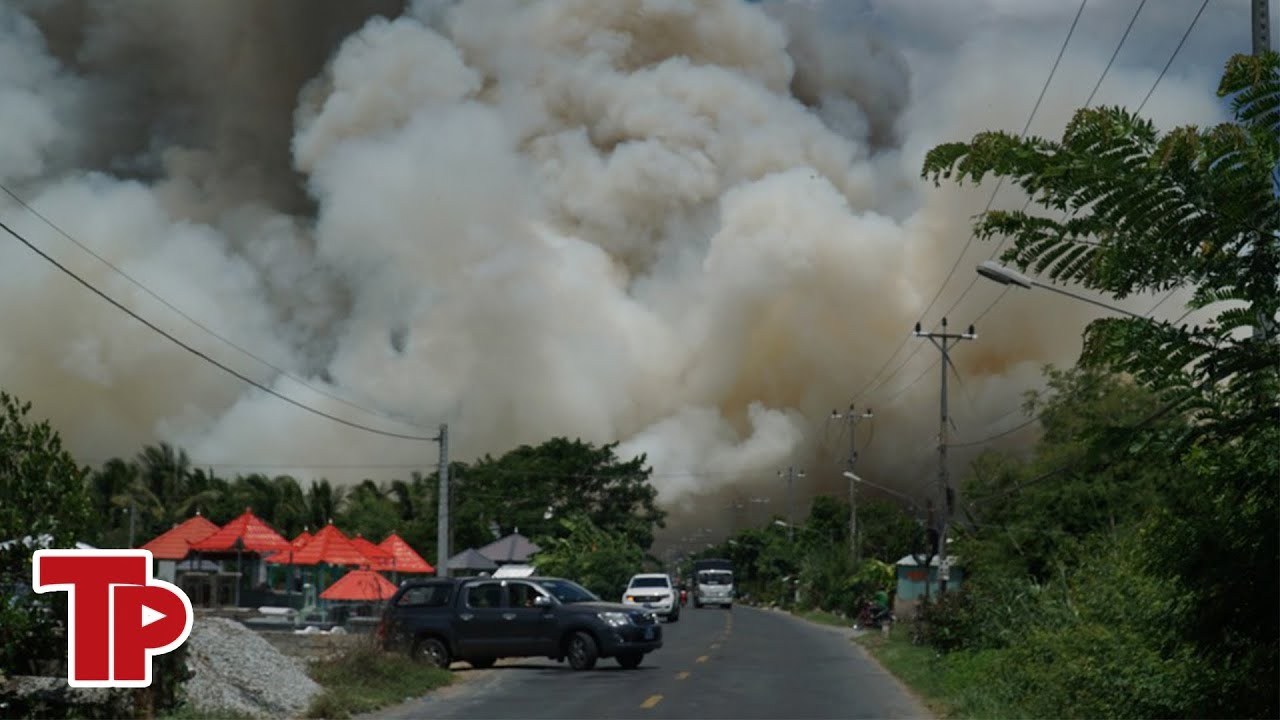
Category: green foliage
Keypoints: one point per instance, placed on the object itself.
(530, 487)
(1149, 519)
(885, 531)
(513, 492)
(366, 678)
(599, 560)
(44, 493)
(1086, 476)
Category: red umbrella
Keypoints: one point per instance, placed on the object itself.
(254, 535)
(360, 585)
(175, 543)
(303, 538)
(407, 560)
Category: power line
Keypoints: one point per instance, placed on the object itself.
(997, 436)
(202, 355)
(1150, 92)
(1110, 62)
(1176, 50)
(189, 318)
(1160, 412)
(1087, 103)
(1025, 129)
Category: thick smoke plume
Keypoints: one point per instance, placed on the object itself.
(692, 227)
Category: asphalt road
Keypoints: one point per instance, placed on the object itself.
(714, 663)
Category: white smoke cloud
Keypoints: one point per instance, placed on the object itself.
(691, 227)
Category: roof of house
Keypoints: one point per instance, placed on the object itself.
(329, 545)
(175, 543)
(471, 559)
(514, 548)
(253, 534)
(404, 558)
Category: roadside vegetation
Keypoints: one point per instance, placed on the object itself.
(367, 678)
(1125, 567)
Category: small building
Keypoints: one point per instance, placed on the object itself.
(470, 562)
(914, 582)
(514, 548)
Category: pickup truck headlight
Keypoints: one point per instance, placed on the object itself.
(616, 619)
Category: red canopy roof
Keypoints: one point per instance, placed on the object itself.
(379, 558)
(256, 536)
(406, 560)
(303, 538)
(175, 543)
(329, 546)
(360, 585)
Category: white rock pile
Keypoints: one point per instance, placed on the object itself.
(235, 669)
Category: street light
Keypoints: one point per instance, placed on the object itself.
(891, 491)
(993, 270)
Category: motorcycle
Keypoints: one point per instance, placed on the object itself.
(874, 617)
(684, 597)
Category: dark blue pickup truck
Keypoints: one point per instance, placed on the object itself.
(479, 620)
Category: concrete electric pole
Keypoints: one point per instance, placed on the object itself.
(791, 476)
(851, 419)
(442, 518)
(1261, 26)
(941, 340)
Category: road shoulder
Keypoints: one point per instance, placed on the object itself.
(852, 635)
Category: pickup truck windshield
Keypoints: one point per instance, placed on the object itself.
(650, 582)
(567, 592)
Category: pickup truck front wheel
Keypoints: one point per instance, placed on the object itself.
(431, 651)
(582, 651)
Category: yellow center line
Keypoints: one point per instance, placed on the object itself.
(651, 701)
(702, 658)
(683, 674)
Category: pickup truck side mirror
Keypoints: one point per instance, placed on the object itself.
(542, 601)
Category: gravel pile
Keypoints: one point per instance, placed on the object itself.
(236, 669)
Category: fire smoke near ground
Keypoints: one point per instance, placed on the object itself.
(691, 227)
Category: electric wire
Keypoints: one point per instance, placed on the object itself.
(155, 296)
(225, 368)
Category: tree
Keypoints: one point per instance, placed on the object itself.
(531, 488)
(601, 561)
(887, 531)
(45, 494)
(1149, 212)
(1028, 518)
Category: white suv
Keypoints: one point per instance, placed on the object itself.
(653, 591)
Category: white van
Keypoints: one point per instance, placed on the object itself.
(655, 592)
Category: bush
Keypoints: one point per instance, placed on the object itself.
(982, 614)
(366, 678)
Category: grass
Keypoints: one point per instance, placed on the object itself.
(955, 685)
(366, 678)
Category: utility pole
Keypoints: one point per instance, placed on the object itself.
(442, 518)
(941, 340)
(133, 511)
(851, 419)
(1261, 25)
(791, 476)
